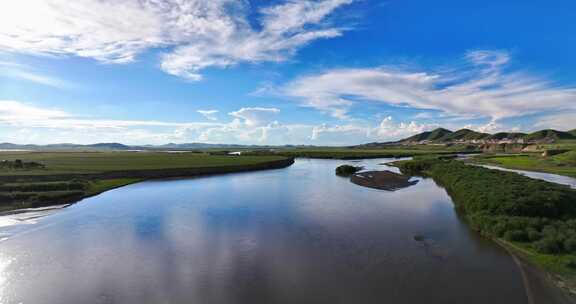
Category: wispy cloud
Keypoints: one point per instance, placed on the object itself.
(255, 116)
(24, 72)
(200, 33)
(486, 89)
(20, 114)
(565, 121)
(209, 114)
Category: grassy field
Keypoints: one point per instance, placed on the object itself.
(66, 177)
(563, 164)
(98, 162)
(355, 153)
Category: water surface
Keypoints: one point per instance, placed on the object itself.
(553, 178)
(293, 235)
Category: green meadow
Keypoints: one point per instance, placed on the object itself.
(53, 178)
(563, 164)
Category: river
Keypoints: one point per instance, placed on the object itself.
(553, 178)
(293, 235)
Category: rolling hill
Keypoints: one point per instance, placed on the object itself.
(434, 135)
(442, 135)
(550, 135)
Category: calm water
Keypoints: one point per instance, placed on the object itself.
(294, 235)
(553, 178)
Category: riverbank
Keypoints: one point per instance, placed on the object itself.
(541, 286)
(535, 219)
(66, 178)
(354, 153)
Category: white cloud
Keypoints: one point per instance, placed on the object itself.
(488, 57)
(108, 31)
(14, 112)
(491, 127)
(255, 117)
(200, 33)
(424, 115)
(388, 130)
(19, 114)
(209, 114)
(485, 90)
(559, 121)
(19, 71)
(27, 123)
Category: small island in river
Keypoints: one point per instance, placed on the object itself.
(383, 180)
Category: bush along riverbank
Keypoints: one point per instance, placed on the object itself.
(347, 170)
(33, 191)
(535, 218)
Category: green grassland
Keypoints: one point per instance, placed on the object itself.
(66, 177)
(563, 164)
(98, 162)
(362, 153)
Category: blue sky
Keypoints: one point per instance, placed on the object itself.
(325, 72)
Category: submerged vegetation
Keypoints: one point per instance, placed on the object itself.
(537, 216)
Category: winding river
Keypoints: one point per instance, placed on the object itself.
(293, 235)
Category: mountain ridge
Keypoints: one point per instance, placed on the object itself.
(467, 134)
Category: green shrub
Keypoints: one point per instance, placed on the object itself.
(516, 236)
(570, 263)
(346, 170)
(570, 245)
(547, 245)
(533, 235)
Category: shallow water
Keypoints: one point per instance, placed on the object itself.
(553, 178)
(293, 235)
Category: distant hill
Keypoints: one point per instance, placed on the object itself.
(550, 134)
(508, 135)
(122, 147)
(65, 146)
(442, 135)
(111, 146)
(465, 134)
(445, 135)
(434, 135)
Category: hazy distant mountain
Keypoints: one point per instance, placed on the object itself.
(111, 146)
(550, 134)
(507, 135)
(187, 146)
(464, 134)
(9, 146)
(66, 146)
(445, 135)
(120, 147)
(442, 135)
(469, 135)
